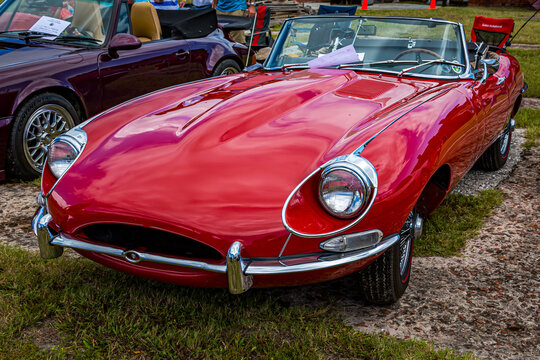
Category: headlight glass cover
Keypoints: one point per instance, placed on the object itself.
(342, 192)
(64, 150)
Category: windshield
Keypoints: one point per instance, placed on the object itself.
(69, 21)
(396, 45)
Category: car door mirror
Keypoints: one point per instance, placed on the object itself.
(485, 63)
(123, 42)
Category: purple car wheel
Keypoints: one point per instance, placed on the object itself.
(226, 67)
(37, 123)
(385, 280)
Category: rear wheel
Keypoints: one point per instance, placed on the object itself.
(496, 155)
(35, 125)
(384, 281)
(226, 67)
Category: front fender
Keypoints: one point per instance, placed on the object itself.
(42, 85)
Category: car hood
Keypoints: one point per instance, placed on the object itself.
(219, 158)
(14, 52)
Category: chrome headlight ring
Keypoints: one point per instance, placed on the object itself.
(344, 189)
(361, 169)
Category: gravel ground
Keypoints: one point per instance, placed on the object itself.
(487, 301)
(531, 103)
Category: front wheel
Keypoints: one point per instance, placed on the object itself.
(36, 124)
(226, 67)
(385, 280)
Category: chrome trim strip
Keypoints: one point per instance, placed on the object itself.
(332, 260)
(327, 260)
(359, 150)
(134, 256)
(284, 245)
(468, 71)
(239, 266)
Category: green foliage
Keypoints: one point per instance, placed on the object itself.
(528, 59)
(446, 230)
(530, 120)
(465, 15)
(87, 311)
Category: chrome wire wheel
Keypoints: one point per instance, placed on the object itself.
(406, 237)
(229, 70)
(505, 140)
(43, 125)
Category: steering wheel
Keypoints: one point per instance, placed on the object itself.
(418, 51)
(75, 30)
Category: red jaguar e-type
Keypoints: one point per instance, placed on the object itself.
(321, 164)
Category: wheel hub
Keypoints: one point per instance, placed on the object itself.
(43, 125)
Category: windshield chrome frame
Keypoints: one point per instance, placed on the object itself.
(467, 74)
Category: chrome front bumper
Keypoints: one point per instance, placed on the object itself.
(240, 270)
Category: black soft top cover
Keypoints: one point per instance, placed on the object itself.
(188, 24)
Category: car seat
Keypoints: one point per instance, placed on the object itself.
(87, 17)
(145, 22)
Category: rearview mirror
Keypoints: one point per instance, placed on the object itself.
(123, 42)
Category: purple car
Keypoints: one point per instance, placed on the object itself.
(64, 61)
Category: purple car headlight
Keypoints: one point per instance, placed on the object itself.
(64, 150)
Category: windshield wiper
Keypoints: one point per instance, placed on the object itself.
(343, 66)
(30, 35)
(77, 38)
(436, 61)
(286, 66)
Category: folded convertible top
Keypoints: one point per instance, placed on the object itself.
(188, 24)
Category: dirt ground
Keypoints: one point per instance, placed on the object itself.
(486, 301)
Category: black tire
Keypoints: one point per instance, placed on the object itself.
(496, 155)
(226, 67)
(385, 280)
(35, 125)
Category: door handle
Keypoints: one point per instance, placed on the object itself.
(501, 80)
(182, 54)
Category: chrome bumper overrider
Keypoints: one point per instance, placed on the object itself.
(239, 270)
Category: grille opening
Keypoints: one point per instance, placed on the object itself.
(151, 240)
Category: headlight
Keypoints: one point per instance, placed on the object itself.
(64, 150)
(342, 192)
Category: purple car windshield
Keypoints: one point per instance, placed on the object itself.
(69, 21)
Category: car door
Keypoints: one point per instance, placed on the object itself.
(492, 99)
(155, 65)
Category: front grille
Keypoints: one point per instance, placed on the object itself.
(150, 240)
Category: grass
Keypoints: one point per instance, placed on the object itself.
(530, 66)
(446, 230)
(84, 310)
(465, 15)
(530, 120)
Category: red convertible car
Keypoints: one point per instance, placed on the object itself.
(64, 61)
(320, 164)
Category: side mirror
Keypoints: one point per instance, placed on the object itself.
(485, 63)
(123, 42)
